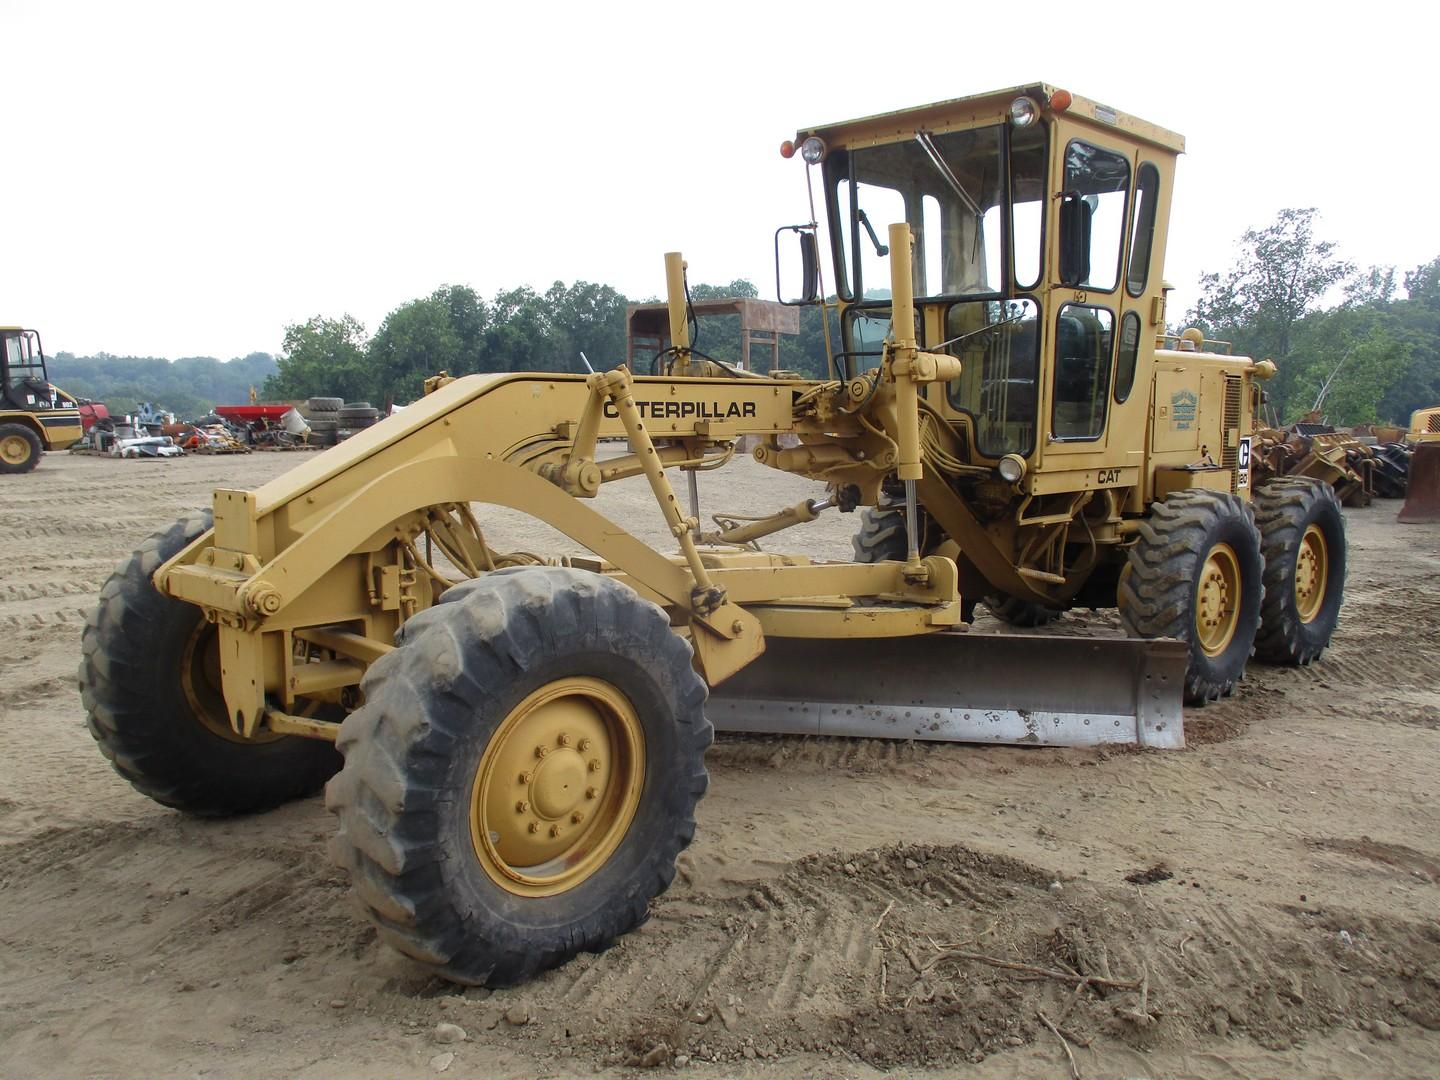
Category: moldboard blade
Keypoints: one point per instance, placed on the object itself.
(1039, 690)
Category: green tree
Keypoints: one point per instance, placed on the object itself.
(322, 358)
(1347, 359)
(518, 337)
(1281, 273)
(587, 318)
(445, 331)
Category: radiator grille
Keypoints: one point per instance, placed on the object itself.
(1230, 452)
(1432, 423)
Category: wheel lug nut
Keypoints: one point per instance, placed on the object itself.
(541, 751)
(534, 826)
(591, 792)
(521, 806)
(584, 745)
(577, 817)
(563, 740)
(594, 764)
(526, 777)
(554, 830)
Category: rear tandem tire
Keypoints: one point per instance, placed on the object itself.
(523, 774)
(1195, 574)
(145, 683)
(1302, 537)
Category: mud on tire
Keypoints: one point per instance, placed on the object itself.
(140, 650)
(416, 752)
(1301, 528)
(1160, 586)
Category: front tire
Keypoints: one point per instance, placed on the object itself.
(1302, 537)
(1195, 574)
(20, 448)
(149, 679)
(523, 774)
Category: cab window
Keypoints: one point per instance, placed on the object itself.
(1129, 351)
(1084, 340)
(1100, 181)
(998, 344)
(951, 190)
(1142, 232)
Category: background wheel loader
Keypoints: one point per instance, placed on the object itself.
(523, 739)
(35, 416)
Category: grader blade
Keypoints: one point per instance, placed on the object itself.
(1034, 690)
(1422, 498)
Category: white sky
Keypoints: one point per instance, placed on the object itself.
(186, 179)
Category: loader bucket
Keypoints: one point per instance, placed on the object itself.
(1422, 497)
(1038, 690)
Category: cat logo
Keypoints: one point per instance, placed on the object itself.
(1242, 464)
(1108, 476)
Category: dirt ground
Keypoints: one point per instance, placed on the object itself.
(1264, 904)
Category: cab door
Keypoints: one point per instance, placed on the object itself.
(1086, 303)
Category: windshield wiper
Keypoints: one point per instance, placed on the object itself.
(880, 249)
(928, 145)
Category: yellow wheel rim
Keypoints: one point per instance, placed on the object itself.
(1217, 600)
(15, 449)
(557, 787)
(200, 679)
(1312, 573)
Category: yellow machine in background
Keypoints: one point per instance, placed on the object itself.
(523, 738)
(1422, 492)
(35, 415)
(1424, 426)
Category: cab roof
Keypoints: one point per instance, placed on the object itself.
(992, 106)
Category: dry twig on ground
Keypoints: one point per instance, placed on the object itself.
(1069, 1054)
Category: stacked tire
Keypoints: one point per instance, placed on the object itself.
(323, 416)
(355, 416)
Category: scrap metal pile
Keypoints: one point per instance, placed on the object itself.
(1356, 464)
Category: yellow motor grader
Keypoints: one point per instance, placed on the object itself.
(523, 739)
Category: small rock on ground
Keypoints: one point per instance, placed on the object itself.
(449, 1033)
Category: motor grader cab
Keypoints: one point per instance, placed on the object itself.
(35, 415)
(523, 735)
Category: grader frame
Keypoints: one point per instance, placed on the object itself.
(308, 578)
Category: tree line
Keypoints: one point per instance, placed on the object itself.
(1345, 341)
(455, 330)
(1342, 337)
(188, 387)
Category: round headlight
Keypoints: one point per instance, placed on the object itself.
(1011, 468)
(1023, 112)
(813, 150)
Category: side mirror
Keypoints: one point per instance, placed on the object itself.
(1074, 239)
(808, 267)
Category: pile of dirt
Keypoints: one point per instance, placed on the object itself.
(924, 955)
